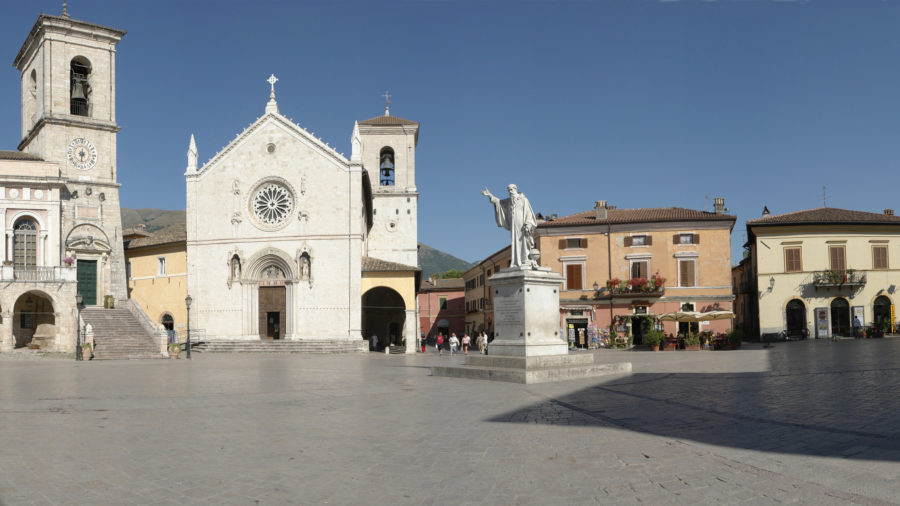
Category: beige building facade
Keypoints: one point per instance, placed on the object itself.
(156, 264)
(813, 271)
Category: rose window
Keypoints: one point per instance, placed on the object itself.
(272, 204)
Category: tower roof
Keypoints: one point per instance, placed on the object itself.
(388, 121)
(65, 23)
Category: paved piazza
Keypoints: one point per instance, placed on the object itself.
(807, 422)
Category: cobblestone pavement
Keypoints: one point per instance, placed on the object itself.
(805, 422)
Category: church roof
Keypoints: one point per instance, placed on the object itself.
(642, 215)
(387, 120)
(19, 155)
(826, 216)
(170, 235)
(370, 264)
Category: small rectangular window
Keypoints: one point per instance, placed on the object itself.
(481, 280)
(792, 260)
(686, 239)
(838, 256)
(573, 243)
(639, 269)
(161, 266)
(443, 302)
(639, 240)
(879, 257)
(686, 272)
(573, 277)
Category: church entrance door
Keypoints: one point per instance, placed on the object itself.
(87, 281)
(272, 308)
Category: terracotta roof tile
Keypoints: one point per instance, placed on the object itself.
(644, 215)
(19, 155)
(387, 121)
(169, 235)
(370, 264)
(429, 285)
(824, 216)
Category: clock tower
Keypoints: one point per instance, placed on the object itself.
(69, 118)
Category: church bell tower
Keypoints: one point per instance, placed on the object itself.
(388, 152)
(69, 117)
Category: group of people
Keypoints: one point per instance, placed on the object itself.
(453, 343)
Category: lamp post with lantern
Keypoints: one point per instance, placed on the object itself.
(79, 355)
(187, 304)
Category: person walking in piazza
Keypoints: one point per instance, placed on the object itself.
(485, 336)
(856, 326)
(479, 342)
(374, 342)
(466, 341)
(439, 343)
(454, 343)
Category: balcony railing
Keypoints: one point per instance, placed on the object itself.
(37, 274)
(637, 287)
(839, 278)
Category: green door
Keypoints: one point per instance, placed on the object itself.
(87, 281)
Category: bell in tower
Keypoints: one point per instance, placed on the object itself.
(79, 89)
(387, 167)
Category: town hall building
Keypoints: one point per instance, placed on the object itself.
(288, 240)
(59, 195)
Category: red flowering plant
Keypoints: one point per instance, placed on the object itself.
(638, 284)
(657, 282)
(613, 283)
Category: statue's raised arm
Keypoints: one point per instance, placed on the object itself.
(515, 214)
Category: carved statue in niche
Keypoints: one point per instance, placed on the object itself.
(235, 268)
(304, 266)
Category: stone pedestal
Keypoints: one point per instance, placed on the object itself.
(526, 313)
(527, 345)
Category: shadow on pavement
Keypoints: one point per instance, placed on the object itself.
(826, 399)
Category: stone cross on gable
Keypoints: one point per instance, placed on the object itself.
(272, 80)
(387, 98)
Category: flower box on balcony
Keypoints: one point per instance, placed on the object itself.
(838, 278)
(637, 287)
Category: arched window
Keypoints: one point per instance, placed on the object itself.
(79, 86)
(386, 167)
(25, 243)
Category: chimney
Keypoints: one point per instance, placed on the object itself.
(142, 227)
(600, 209)
(889, 212)
(765, 210)
(719, 205)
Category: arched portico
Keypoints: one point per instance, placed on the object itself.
(34, 320)
(383, 315)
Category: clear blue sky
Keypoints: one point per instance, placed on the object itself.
(640, 103)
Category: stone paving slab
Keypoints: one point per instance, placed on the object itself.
(805, 422)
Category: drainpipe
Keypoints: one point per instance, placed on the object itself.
(609, 266)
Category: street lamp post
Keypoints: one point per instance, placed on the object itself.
(187, 304)
(79, 355)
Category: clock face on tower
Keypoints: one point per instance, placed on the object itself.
(82, 153)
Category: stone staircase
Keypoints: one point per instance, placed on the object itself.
(118, 335)
(322, 346)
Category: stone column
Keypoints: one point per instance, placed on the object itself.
(9, 244)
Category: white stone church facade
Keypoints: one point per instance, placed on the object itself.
(289, 240)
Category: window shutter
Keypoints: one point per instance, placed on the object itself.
(696, 238)
(628, 242)
(584, 243)
(573, 277)
(562, 244)
(649, 240)
(676, 239)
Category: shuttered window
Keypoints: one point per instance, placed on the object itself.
(639, 269)
(792, 260)
(686, 272)
(573, 243)
(838, 255)
(879, 257)
(573, 277)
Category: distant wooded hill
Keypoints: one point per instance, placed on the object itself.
(431, 260)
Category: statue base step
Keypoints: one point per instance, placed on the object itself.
(531, 369)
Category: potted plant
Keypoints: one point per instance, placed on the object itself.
(653, 338)
(692, 342)
(174, 350)
(734, 339)
(109, 302)
(86, 351)
(68, 261)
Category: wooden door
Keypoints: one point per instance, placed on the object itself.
(87, 281)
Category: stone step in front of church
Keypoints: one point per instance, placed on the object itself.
(118, 335)
(322, 346)
(540, 369)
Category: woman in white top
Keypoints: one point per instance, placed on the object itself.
(454, 344)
